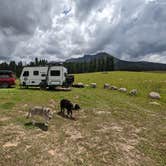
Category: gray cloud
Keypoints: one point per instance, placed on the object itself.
(84, 8)
(57, 30)
(144, 34)
(23, 16)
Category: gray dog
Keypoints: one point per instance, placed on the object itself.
(44, 112)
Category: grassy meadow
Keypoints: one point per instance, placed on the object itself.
(112, 128)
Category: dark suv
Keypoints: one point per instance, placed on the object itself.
(7, 78)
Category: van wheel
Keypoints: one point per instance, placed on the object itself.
(24, 85)
(51, 88)
(5, 85)
(43, 86)
(66, 85)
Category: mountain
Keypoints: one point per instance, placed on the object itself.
(88, 58)
(120, 64)
(91, 63)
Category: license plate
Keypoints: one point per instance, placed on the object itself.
(54, 83)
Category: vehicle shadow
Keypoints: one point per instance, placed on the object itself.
(50, 90)
(38, 89)
(41, 126)
(61, 114)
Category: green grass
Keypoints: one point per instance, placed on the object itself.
(112, 128)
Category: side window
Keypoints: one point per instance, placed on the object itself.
(26, 73)
(55, 73)
(35, 73)
(4, 75)
(43, 74)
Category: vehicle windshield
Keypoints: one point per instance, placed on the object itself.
(5, 75)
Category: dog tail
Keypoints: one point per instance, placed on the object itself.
(29, 114)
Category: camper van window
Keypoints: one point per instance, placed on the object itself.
(43, 75)
(35, 73)
(26, 73)
(55, 73)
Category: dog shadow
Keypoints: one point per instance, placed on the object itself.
(41, 126)
(61, 114)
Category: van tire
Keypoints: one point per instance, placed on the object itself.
(43, 86)
(24, 85)
(51, 88)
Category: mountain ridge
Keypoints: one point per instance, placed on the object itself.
(120, 64)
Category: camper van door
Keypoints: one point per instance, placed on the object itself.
(37, 75)
(55, 76)
(33, 76)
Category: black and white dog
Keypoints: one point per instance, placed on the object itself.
(67, 104)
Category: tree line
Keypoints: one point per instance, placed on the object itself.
(17, 67)
(94, 65)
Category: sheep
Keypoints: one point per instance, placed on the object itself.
(133, 92)
(93, 85)
(154, 95)
(122, 89)
(79, 85)
(106, 86)
(114, 88)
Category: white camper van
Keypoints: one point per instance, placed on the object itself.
(45, 77)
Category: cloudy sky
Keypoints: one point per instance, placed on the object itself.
(60, 29)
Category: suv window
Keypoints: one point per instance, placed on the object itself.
(35, 73)
(6, 74)
(55, 73)
(26, 73)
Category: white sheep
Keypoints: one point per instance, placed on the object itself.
(106, 86)
(133, 92)
(122, 89)
(93, 85)
(114, 88)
